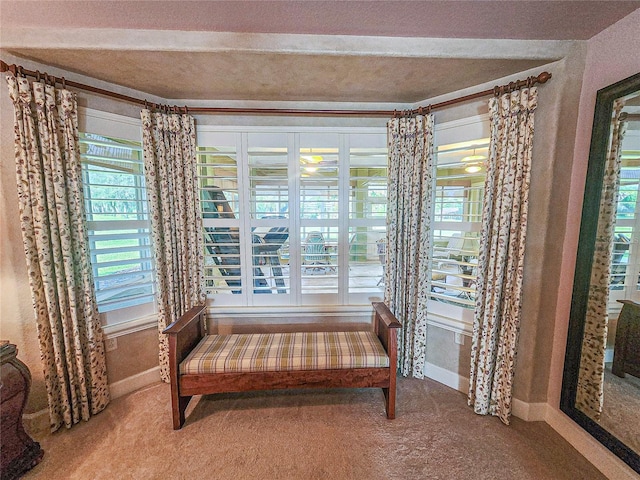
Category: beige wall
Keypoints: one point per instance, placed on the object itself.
(611, 56)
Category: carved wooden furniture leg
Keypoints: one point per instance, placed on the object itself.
(18, 451)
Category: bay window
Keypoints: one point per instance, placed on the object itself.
(291, 218)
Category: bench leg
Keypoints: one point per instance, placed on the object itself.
(390, 402)
(178, 407)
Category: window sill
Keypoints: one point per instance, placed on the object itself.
(150, 321)
(451, 324)
(131, 326)
(282, 311)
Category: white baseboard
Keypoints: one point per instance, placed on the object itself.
(37, 424)
(446, 377)
(601, 458)
(529, 412)
(135, 382)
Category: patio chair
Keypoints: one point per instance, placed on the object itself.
(315, 252)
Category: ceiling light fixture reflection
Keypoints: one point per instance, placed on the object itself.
(311, 158)
(473, 158)
(310, 169)
(473, 169)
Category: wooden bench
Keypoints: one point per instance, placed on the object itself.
(222, 374)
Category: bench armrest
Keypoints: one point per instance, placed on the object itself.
(185, 333)
(386, 326)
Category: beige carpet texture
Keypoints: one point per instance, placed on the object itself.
(308, 434)
(621, 407)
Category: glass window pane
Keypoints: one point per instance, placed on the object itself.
(270, 258)
(222, 260)
(319, 259)
(458, 196)
(118, 221)
(319, 176)
(221, 209)
(367, 255)
(218, 179)
(268, 176)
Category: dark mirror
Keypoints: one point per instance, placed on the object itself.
(601, 383)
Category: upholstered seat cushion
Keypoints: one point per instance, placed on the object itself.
(285, 351)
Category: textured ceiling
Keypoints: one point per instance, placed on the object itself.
(280, 77)
(523, 19)
(324, 51)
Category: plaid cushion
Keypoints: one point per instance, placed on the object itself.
(285, 351)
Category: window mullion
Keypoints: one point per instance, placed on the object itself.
(244, 196)
(343, 219)
(295, 270)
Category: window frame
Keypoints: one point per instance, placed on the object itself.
(120, 321)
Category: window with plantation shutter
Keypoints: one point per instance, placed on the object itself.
(118, 223)
(624, 282)
(293, 217)
(368, 175)
(459, 186)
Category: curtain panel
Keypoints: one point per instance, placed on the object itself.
(407, 279)
(52, 215)
(589, 394)
(502, 249)
(169, 144)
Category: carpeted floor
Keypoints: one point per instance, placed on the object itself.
(323, 434)
(620, 408)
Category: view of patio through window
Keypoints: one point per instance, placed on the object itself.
(294, 218)
(460, 175)
(248, 182)
(625, 258)
(118, 222)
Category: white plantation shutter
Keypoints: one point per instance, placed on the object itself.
(457, 221)
(625, 258)
(117, 221)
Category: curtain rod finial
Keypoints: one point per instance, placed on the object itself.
(544, 77)
(3, 66)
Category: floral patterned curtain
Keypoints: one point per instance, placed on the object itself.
(407, 279)
(169, 142)
(501, 260)
(589, 394)
(51, 203)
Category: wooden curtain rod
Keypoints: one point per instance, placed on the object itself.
(497, 90)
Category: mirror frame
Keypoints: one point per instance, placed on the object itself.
(586, 247)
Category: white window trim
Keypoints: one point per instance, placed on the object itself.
(130, 326)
